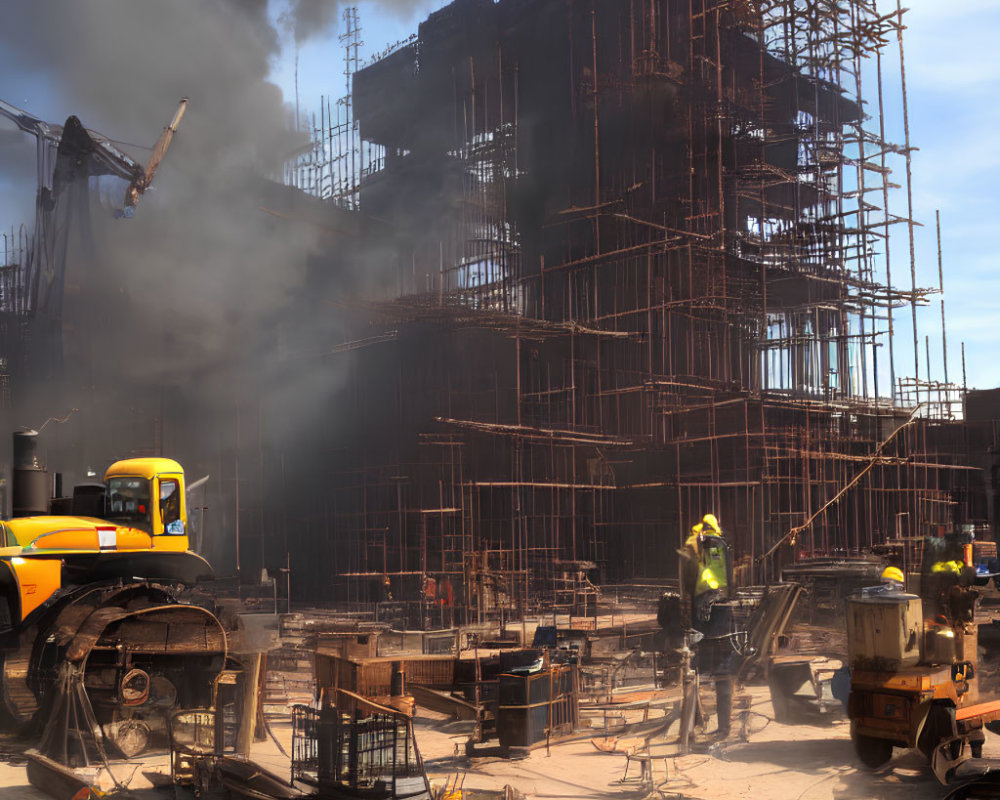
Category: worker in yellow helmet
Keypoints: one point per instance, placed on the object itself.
(946, 578)
(708, 524)
(892, 575)
(893, 578)
(705, 571)
(705, 580)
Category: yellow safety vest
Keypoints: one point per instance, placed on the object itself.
(706, 581)
(712, 570)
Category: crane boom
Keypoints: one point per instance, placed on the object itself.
(142, 183)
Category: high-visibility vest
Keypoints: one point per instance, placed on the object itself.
(711, 569)
(948, 566)
(706, 581)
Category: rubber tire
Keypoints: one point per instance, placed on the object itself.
(871, 751)
(938, 727)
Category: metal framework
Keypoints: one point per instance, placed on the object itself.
(640, 269)
(594, 269)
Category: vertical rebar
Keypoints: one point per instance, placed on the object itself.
(909, 191)
(944, 330)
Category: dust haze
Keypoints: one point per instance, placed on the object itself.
(194, 309)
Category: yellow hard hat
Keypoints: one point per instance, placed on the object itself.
(710, 521)
(892, 574)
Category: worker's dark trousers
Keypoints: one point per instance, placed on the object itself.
(724, 704)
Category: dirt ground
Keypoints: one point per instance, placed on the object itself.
(778, 761)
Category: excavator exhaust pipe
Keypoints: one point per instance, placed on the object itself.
(30, 488)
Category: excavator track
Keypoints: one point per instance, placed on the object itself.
(19, 703)
(137, 651)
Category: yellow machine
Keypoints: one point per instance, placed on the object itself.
(913, 668)
(144, 535)
(92, 611)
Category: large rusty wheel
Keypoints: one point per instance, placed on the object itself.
(939, 727)
(872, 751)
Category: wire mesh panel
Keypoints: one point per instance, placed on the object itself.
(305, 758)
(357, 748)
(193, 730)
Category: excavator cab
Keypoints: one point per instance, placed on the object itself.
(148, 494)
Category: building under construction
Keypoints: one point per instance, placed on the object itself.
(591, 270)
(637, 268)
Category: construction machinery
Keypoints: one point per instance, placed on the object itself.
(913, 663)
(95, 629)
(104, 155)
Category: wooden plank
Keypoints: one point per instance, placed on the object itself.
(248, 716)
(978, 710)
(56, 780)
(260, 734)
(349, 703)
(444, 703)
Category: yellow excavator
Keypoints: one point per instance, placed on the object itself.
(144, 534)
(97, 604)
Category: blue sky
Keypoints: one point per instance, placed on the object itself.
(952, 61)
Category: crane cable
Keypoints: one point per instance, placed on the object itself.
(794, 532)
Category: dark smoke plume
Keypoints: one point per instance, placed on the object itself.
(181, 313)
(121, 66)
(202, 264)
(307, 18)
(17, 179)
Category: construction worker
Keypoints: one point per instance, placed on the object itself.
(945, 576)
(952, 565)
(892, 578)
(705, 581)
(705, 570)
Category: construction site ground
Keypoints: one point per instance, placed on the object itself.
(798, 762)
(761, 758)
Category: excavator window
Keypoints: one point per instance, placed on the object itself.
(128, 502)
(170, 505)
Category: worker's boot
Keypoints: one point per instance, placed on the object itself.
(724, 704)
